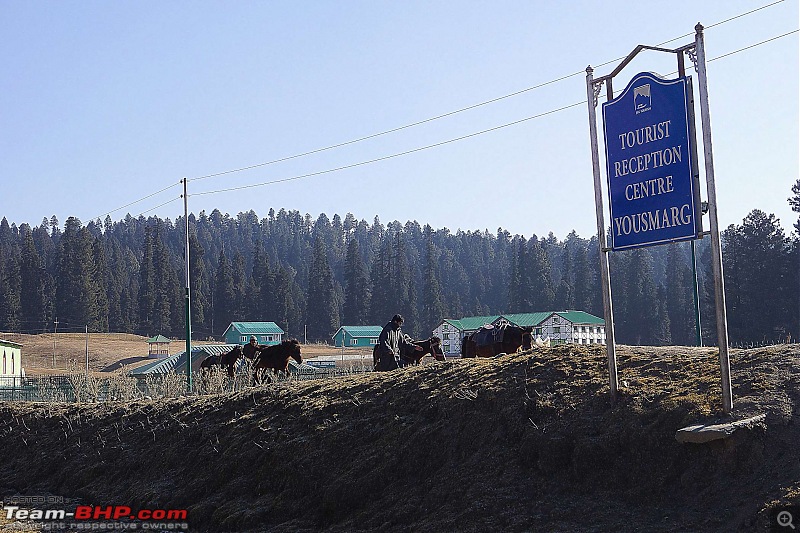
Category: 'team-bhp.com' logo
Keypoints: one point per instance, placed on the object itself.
(97, 518)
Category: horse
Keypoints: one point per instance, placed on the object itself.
(492, 340)
(276, 357)
(409, 356)
(227, 360)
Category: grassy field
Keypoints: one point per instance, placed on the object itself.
(60, 353)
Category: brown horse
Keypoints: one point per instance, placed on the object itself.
(276, 357)
(490, 341)
(409, 356)
(227, 360)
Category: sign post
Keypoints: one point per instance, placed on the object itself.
(716, 245)
(653, 178)
(605, 278)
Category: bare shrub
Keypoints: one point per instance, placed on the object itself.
(168, 385)
(123, 387)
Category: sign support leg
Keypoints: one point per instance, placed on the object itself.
(601, 237)
(716, 246)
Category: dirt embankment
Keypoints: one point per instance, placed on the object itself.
(527, 442)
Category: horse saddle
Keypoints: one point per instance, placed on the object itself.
(488, 335)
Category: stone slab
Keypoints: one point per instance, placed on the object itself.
(701, 433)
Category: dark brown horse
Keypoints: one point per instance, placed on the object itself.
(276, 357)
(409, 356)
(227, 360)
(490, 341)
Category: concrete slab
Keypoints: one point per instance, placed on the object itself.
(707, 432)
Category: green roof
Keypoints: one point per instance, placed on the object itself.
(361, 331)
(527, 319)
(10, 344)
(158, 338)
(177, 362)
(255, 328)
(471, 322)
(580, 317)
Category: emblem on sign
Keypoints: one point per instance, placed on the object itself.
(641, 98)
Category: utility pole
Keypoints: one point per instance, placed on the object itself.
(55, 330)
(188, 309)
(87, 350)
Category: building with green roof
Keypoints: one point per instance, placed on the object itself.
(265, 333)
(560, 327)
(158, 347)
(357, 336)
(451, 331)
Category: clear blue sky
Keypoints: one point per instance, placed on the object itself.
(103, 103)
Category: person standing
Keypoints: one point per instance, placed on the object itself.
(251, 348)
(390, 342)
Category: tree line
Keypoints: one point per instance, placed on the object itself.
(311, 276)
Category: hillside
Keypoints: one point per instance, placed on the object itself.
(526, 442)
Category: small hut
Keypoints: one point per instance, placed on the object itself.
(158, 347)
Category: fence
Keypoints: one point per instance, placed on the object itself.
(122, 387)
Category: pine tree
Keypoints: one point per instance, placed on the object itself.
(516, 285)
(641, 310)
(322, 313)
(76, 292)
(33, 296)
(381, 306)
(757, 279)
(356, 294)
(537, 281)
(224, 296)
(432, 308)
(199, 286)
(679, 298)
(147, 288)
(10, 282)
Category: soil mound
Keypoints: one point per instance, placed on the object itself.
(524, 442)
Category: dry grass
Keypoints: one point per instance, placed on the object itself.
(525, 442)
(110, 351)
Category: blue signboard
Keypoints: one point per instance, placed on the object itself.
(651, 163)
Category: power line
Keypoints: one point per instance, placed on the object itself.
(137, 201)
(400, 128)
(449, 141)
(160, 205)
(461, 110)
(392, 156)
(753, 45)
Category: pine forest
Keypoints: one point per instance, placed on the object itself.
(311, 276)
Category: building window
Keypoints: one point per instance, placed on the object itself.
(244, 339)
(556, 329)
(446, 348)
(353, 342)
(12, 363)
(373, 341)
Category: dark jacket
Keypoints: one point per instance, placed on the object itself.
(250, 350)
(390, 341)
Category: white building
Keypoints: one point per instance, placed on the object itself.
(571, 327)
(11, 371)
(562, 327)
(452, 330)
